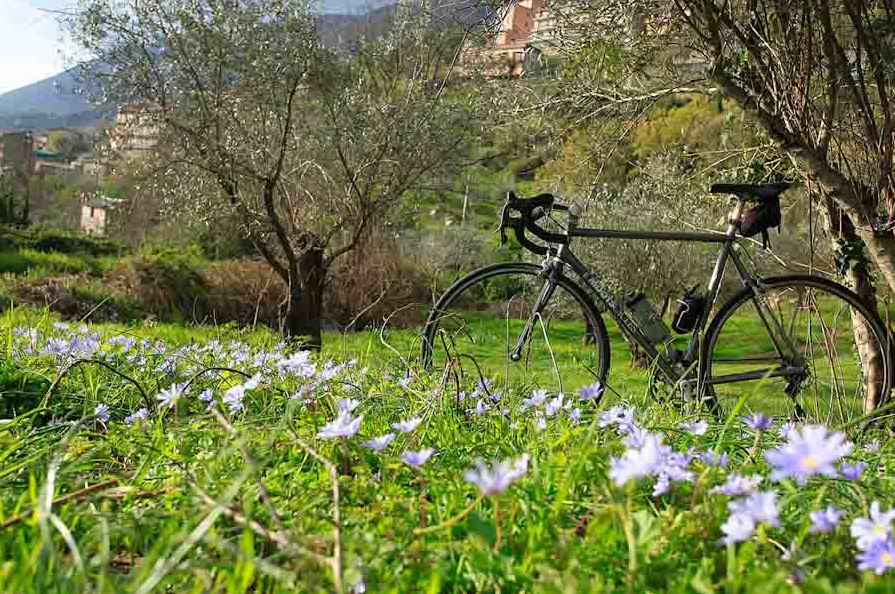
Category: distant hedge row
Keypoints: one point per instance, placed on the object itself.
(49, 240)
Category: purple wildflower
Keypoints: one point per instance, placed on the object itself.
(377, 444)
(554, 405)
(407, 426)
(101, 412)
(808, 451)
(298, 364)
(711, 458)
(761, 506)
(348, 404)
(140, 415)
(253, 382)
(575, 414)
(618, 415)
(537, 399)
(592, 392)
(169, 396)
(635, 436)
(233, 398)
(738, 484)
(879, 557)
(638, 462)
(694, 427)
(416, 459)
(343, 425)
(872, 530)
(481, 408)
(824, 520)
(330, 371)
(872, 446)
(497, 478)
(125, 342)
(746, 514)
(852, 472)
(674, 468)
(207, 395)
(758, 422)
(737, 528)
(786, 427)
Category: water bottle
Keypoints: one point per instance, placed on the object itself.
(648, 319)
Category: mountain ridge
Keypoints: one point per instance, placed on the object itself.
(60, 100)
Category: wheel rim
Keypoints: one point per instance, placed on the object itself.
(844, 374)
(478, 325)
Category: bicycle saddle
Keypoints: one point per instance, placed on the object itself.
(756, 191)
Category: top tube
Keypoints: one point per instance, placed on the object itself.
(717, 237)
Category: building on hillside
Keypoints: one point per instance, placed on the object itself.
(17, 165)
(136, 130)
(17, 153)
(526, 33)
(95, 215)
(529, 33)
(507, 51)
(89, 165)
(47, 161)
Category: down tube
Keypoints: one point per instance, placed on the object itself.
(593, 285)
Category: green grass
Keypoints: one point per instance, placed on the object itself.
(186, 499)
(38, 264)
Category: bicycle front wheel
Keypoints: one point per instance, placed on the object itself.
(476, 326)
(806, 323)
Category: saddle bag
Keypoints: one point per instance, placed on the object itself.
(760, 218)
(689, 309)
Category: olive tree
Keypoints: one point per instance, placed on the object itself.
(307, 148)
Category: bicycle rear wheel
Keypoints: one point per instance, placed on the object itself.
(477, 323)
(841, 345)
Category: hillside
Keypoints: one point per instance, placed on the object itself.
(58, 101)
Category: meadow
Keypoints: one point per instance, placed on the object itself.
(161, 458)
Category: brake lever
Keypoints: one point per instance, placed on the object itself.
(504, 220)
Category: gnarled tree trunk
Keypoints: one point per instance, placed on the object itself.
(304, 310)
(854, 267)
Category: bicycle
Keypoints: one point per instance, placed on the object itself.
(804, 338)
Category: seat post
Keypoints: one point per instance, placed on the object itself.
(735, 216)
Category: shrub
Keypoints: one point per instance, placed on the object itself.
(48, 240)
(244, 292)
(74, 297)
(374, 283)
(167, 285)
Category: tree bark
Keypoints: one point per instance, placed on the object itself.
(858, 203)
(304, 310)
(854, 267)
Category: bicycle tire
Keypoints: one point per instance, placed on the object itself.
(792, 282)
(599, 335)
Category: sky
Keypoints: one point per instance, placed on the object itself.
(32, 45)
(30, 41)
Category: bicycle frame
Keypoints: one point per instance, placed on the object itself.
(560, 256)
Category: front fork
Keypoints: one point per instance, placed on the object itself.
(551, 272)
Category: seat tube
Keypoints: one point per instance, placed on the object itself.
(726, 249)
(735, 215)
